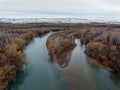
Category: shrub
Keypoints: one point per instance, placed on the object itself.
(20, 42)
(7, 74)
(96, 50)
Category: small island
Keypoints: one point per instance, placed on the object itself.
(102, 45)
(101, 40)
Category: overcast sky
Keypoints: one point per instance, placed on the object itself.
(58, 7)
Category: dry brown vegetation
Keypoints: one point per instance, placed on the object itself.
(13, 39)
(12, 60)
(102, 44)
(59, 43)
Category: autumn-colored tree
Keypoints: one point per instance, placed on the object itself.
(20, 42)
(97, 51)
(7, 74)
(3, 59)
(11, 50)
(29, 35)
(14, 56)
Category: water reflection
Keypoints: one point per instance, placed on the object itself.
(64, 58)
(105, 80)
(76, 73)
(18, 82)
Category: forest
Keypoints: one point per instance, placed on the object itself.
(102, 43)
(13, 40)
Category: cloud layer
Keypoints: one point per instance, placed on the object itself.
(68, 7)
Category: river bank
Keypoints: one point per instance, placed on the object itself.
(102, 44)
(14, 37)
(74, 74)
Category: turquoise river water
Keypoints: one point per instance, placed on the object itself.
(43, 74)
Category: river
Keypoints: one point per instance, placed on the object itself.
(43, 74)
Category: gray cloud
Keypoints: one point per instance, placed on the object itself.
(59, 7)
(117, 2)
